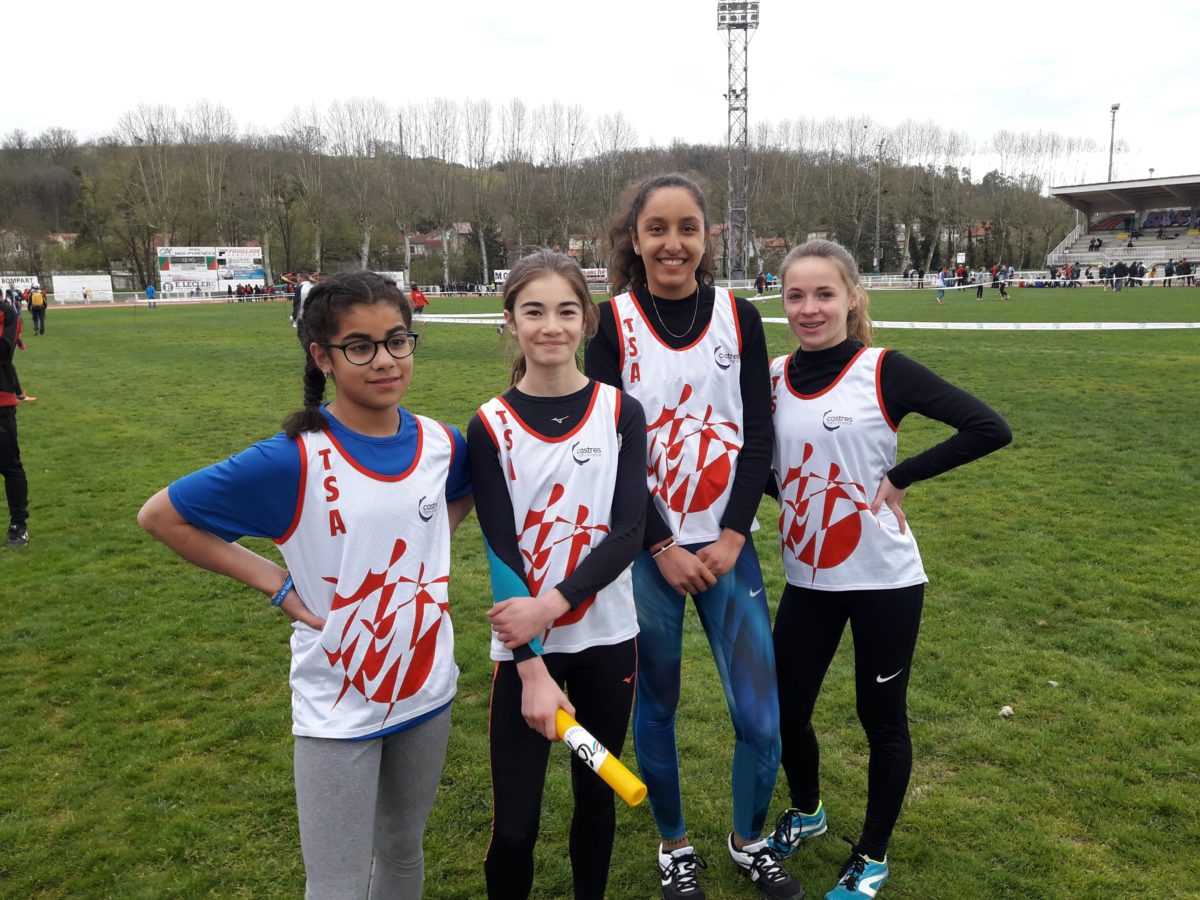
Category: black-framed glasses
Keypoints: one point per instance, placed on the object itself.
(362, 352)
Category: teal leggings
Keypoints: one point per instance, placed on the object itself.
(735, 618)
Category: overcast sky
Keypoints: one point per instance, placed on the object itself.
(976, 67)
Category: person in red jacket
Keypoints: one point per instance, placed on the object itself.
(419, 300)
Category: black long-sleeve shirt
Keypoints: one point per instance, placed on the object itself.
(907, 386)
(602, 361)
(554, 417)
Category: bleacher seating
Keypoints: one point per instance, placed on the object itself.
(1177, 243)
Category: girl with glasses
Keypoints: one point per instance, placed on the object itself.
(361, 496)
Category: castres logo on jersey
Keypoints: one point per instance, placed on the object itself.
(832, 421)
(583, 455)
(426, 510)
(724, 359)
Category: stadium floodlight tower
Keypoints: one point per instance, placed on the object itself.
(738, 19)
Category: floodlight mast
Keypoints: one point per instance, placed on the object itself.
(738, 19)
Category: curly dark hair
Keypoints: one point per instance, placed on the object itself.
(324, 307)
(626, 270)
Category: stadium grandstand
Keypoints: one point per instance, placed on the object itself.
(1150, 221)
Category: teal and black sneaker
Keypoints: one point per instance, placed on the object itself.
(861, 878)
(794, 828)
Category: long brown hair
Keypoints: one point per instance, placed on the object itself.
(327, 302)
(626, 270)
(537, 264)
(858, 319)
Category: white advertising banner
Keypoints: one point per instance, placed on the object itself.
(186, 270)
(591, 276)
(20, 282)
(239, 266)
(82, 288)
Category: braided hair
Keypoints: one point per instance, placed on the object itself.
(328, 301)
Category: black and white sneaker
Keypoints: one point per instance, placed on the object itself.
(18, 536)
(677, 873)
(758, 863)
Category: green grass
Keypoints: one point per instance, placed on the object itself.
(146, 751)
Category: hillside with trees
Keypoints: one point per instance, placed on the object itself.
(350, 186)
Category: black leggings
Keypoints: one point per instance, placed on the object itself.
(600, 683)
(884, 624)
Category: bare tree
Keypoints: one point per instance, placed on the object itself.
(516, 156)
(477, 128)
(305, 138)
(152, 193)
(439, 139)
(562, 137)
(358, 129)
(209, 132)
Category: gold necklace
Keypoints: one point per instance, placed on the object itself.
(695, 311)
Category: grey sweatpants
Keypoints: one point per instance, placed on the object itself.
(364, 801)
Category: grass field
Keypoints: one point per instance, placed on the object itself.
(145, 749)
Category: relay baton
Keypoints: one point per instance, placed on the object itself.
(506, 584)
(626, 785)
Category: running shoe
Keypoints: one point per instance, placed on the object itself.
(794, 828)
(18, 536)
(758, 863)
(861, 878)
(677, 873)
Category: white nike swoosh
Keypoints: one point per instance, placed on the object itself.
(756, 593)
(881, 679)
(870, 886)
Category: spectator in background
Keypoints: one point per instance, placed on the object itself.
(37, 308)
(150, 295)
(1168, 272)
(419, 300)
(1120, 272)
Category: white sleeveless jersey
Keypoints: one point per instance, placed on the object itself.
(832, 450)
(562, 490)
(370, 554)
(693, 403)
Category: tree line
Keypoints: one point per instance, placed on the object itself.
(348, 185)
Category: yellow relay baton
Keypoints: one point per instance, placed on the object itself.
(626, 785)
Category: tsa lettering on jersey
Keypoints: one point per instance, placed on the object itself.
(820, 517)
(332, 494)
(507, 436)
(631, 352)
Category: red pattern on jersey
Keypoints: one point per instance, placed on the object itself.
(827, 534)
(390, 670)
(546, 528)
(669, 435)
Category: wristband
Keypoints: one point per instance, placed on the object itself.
(663, 549)
(283, 591)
